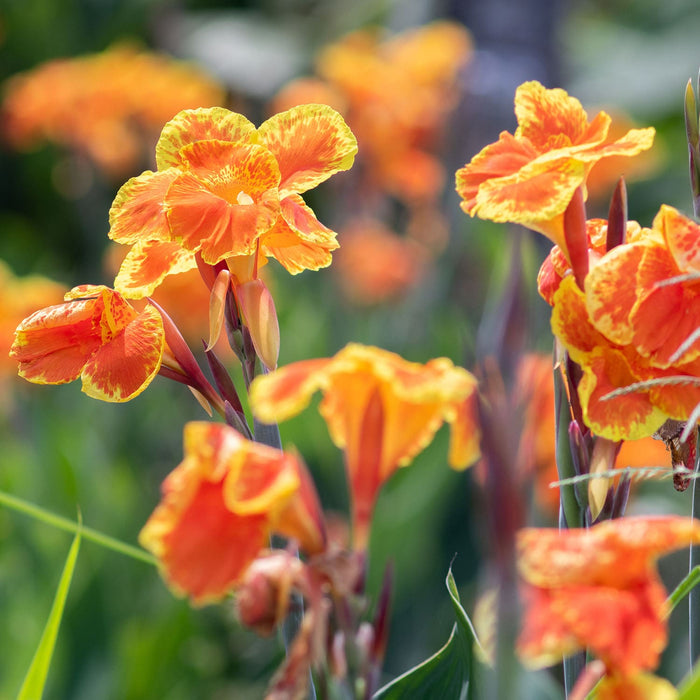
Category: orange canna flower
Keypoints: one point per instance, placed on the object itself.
(530, 177)
(97, 336)
(380, 409)
(108, 105)
(598, 588)
(219, 507)
(19, 297)
(376, 265)
(537, 454)
(225, 190)
(640, 686)
(648, 312)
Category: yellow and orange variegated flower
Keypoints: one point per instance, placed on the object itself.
(530, 177)
(598, 588)
(95, 335)
(380, 409)
(647, 293)
(109, 106)
(221, 504)
(225, 190)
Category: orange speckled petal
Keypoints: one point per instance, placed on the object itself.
(148, 263)
(611, 292)
(534, 197)
(287, 391)
(500, 159)
(666, 315)
(682, 237)
(199, 125)
(125, 365)
(544, 113)
(137, 212)
(628, 417)
(53, 344)
(298, 240)
(551, 558)
(465, 434)
(311, 143)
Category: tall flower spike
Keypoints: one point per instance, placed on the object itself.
(97, 336)
(220, 506)
(380, 409)
(530, 177)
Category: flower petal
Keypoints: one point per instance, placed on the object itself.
(148, 263)
(199, 125)
(682, 237)
(137, 212)
(125, 365)
(311, 143)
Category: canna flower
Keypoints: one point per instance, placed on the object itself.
(109, 106)
(380, 409)
(530, 177)
(599, 589)
(19, 297)
(654, 285)
(219, 507)
(376, 265)
(226, 191)
(97, 336)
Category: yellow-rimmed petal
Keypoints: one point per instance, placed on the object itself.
(682, 236)
(543, 114)
(311, 143)
(148, 263)
(53, 344)
(123, 367)
(199, 125)
(137, 212)
(298, 240)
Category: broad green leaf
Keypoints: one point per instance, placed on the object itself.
(446, 674)
(34, 681)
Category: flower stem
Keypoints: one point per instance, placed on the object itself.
(58, 521)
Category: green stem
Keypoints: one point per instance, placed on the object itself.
(67, 525)
(684, 587)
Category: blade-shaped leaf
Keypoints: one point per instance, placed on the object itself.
(449, 672)
(34, 681)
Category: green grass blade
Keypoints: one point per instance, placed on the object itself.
(34, 681)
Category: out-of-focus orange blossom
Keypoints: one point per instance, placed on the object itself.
(109, 106)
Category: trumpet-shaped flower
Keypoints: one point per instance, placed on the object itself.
(380, 409)
(95, 335)
(225, 190)
(530, 177)
(219, 507)
(598, 588)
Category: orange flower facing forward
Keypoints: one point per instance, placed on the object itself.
(530, 177)
(219, 507)
(598, 588)
(380, 409)
(227, 191)
(95, 335)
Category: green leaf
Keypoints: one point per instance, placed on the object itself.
(449, 672)
(690, 688)
(34, 681)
